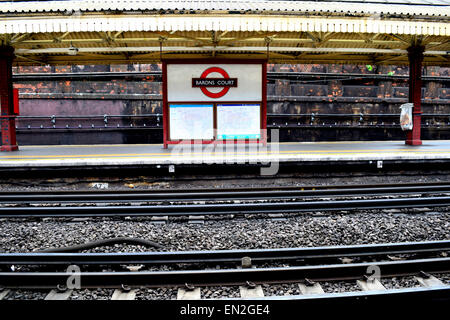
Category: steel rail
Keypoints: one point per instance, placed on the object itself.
(334, 272)
(223, 209)
(215, 194)
(306, 254)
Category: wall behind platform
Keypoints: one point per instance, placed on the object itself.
(306, 102)
(66, 107)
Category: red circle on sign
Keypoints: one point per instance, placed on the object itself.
(222, 92)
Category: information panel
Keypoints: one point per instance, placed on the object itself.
(238, 121)
(191, 121)
(214, 82)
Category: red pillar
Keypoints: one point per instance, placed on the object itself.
(415, 56)
(8, 125)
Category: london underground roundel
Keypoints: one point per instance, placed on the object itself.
(204, 83)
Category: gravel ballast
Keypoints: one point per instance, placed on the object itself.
(26, 295)
(340, 286)
(97, 294)
(288, 289)
(238, 233)
(220, 292)
(156, 294)
(400, 283)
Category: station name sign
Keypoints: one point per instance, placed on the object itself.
(214, 82)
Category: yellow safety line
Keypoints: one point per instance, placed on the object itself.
(368, 150)
(343, 142)
(118, 156)
(161, 145)
(224, 153)
(88, 155)
(269, 143)
(91, 146)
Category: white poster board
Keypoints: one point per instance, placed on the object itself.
(179, 82)
(238, 121)
(191, 121)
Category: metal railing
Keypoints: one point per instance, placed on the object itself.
(275, 120)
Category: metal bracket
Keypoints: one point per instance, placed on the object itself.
(246, 262)
(267, 41)
(189, 287)
(161, 40)
(368, 278)
(425, 275)
(61, 288)
(125, 288)
(309, 282)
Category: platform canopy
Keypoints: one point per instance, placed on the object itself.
(126, 31)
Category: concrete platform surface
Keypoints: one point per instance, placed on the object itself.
(154, 154)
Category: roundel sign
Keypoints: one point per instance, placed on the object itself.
(205, 82)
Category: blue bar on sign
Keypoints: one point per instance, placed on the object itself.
(191, 106)
(238, 105)
(239, 136)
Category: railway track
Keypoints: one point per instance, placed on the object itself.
(272, 200)
(117, 279)
(214, 194)
(296, 255)
(212, 209)
(308, 275)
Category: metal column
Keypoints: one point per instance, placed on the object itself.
(8, 127)
(415, 56)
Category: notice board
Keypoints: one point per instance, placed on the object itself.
(191, 121)
(214, 101)
(238, 121)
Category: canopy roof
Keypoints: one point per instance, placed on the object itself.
(107, 32)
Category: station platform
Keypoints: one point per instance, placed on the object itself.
(154, 154)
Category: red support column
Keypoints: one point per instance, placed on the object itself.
(165, 106)
(8, 126)
(265, 132)
(415, 56)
